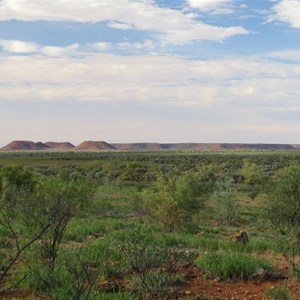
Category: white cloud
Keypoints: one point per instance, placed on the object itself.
(237, 99)
(58, 51)
(24, 47)
(287, 55)
(100, 46)
(287, 11)
(16, 46)
(119, 25)
(227, 83)
(147, 44)
(171, 25)
(283, 109)
(216, 6)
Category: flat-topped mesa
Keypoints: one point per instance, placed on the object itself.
(94, 145)
(137, 146)
(24, 145)
(60, 145)
(227, 146)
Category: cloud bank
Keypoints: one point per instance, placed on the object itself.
(231, 83)
(169, 25)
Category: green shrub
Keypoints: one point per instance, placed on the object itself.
(231, 266)
(176, 199)
(76, 272)
(4, 240)
(226, 195)
(155, 267)
(282, 210)
(44, 280)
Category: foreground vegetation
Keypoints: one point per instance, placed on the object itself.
(151, 225)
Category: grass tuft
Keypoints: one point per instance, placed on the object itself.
(231, 266)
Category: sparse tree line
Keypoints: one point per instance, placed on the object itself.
(36, 208)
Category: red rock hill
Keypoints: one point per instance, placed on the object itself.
(60, 146)
(24, 145)
(94, 145)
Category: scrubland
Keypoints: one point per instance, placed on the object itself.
(150, 225)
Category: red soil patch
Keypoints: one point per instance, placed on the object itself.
(198, 287)
(14, 294)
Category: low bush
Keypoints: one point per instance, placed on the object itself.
(155, 268)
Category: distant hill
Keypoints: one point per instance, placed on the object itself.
(257, 147)
(24, 145)
(94, 145)
(229, 146)
(203, 146)
(101, 145)
(60, 146)
(138, 146)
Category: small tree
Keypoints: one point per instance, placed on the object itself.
(283, 206)
(58, 200)
(18, 177)
(17, 186)
(225, 194)
(253, 177)
(36, 213)
(176, 199)
(283, 210)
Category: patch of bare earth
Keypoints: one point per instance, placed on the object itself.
(199, 287)
(15, 294)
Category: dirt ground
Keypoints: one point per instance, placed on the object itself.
(198, 287)
(201, 288)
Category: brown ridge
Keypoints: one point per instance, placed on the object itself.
(101, 145)
(25, 145)
(138, 146)
(60, 146)
(94, 145)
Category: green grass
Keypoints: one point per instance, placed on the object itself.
(115, 296)
(231, 266)
(216, 242)
(80, 228)
(279, 293)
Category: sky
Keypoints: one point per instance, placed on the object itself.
(150, 71)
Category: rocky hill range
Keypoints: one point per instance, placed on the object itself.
(104, 146)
